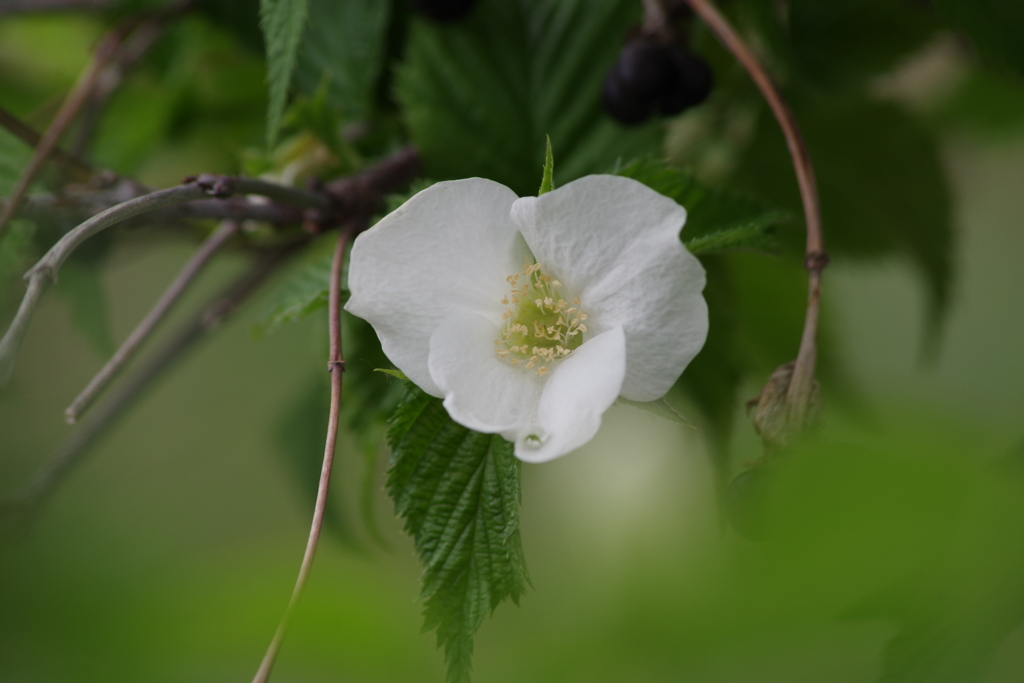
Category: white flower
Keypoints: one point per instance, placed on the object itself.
(531, 315)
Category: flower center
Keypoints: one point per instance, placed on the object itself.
(540, 326)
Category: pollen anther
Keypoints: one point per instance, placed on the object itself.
(534, 311)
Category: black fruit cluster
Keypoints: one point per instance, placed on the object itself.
(445, 11)
(650, 76)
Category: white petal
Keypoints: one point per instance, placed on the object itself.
(446, 250)
(614, 243)
(582, 387)
(480, 391)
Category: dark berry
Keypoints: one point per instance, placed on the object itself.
(643, 68)
(623, 105)
(444, 10)
(690, 83)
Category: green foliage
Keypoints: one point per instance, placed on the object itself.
(753, 237)
(716, 221)
(479, 96)
(984, 102)
(81, 285)
(882, 186)
(14, 154)
(16, 247)
(318, 117)
(458, 492)
(844, 42)
(993, 26)
(343, 44)
(907, 529)
(283, 22)
(301, 292)
(191, 105)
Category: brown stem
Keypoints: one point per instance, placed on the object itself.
(68, 110)
(109, 48)
(336, 366)
(69, 453)
(130, 52)
(799, 393)
(75, 166)
(188, 274)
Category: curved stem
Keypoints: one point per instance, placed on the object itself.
(336, 366)
(139, 335)
(70, 452)
(799, 392)
(45, 271)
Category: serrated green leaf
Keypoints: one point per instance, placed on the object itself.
(752, 237)
(344, 42)
(716, 221)
(480, 95)
(282, 22)
(547, 182)
(302, 292)
(458, 491)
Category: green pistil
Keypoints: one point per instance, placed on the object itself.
(541, 327)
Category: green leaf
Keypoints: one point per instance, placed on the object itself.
(994, 27)
(458, 491)
(16, 249)
(283, 22)
(344, 44)
(14, 155)
(843, 42)
(547, 182)
(81, 285)
(753, 237)
(302, 292)
(716, 221)
(882, 186)
(984, 102)
(480, 95)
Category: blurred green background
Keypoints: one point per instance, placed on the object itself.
(169, 554)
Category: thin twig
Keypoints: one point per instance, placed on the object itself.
(81, 205)
(177, 288)
(134, 47)
(336, 366)
(81, 170)
(45, 271)
(798, 395)
(68, 110)
(71, 451)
